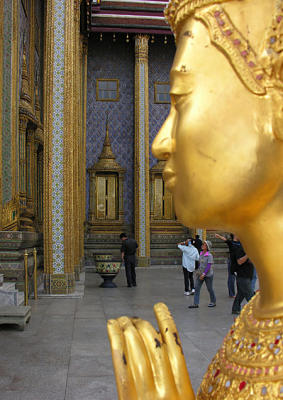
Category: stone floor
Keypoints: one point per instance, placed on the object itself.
(64, 352)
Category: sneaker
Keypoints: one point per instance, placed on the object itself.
(193, 306)
(211, 305)
(192, 291)
(186, 293)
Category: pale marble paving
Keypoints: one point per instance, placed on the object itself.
(64, 352)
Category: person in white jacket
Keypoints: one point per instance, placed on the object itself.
(190, 255)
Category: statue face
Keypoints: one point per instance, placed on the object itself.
(222, 158)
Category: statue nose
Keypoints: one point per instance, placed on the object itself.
(164, 143)
(162, 147)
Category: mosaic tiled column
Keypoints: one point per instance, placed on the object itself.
(60, 163)
(9, 26)
(142, 206)
(1, 95)
(82, 165)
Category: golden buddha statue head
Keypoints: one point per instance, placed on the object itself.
(223, 146)
(223, 136)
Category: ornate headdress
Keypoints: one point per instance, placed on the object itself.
(256, 71)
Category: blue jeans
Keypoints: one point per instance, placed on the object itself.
(244, 291)
(231, 280)
(209, 285)
(254, 278)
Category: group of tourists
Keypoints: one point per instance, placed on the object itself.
(197, 260)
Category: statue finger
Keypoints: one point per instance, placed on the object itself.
(138, 360)
(124, 379)
(157, 353)
(176, 357)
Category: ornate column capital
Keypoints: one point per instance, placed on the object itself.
(141, 48)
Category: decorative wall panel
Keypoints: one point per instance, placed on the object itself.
(24, 33)
(6, 110)
(58, 139)
(112, 60)
(160, 60)
(39, 33)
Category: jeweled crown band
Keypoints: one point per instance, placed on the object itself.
(178, 10)
(258, 71)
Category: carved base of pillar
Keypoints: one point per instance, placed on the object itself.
(59, 283)
(143, 261)
(12, 247)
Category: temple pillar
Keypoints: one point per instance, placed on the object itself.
(82, 165)
(142, 205)
(1, 97)
(9, 86)
(61, 135)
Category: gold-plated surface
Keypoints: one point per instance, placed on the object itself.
(1, 101)
(48, 122)
(84, 51)
(223, 144)
(203, 153)
(141, 163)
(149, 365)
(31, 20)
(72, 149)
(70, 131)
(15, 98)
(249, 364)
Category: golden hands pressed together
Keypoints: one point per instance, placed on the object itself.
(149, 365)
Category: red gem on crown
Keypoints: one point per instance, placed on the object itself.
(217, 373)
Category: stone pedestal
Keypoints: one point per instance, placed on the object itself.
(15, 315)
(12, 247)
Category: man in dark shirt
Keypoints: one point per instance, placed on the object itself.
(197, 242)
(244, 271)
(128, 252)
(232, 244)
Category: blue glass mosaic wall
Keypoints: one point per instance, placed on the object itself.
(160, 60)
(116, 60)
(107, 59)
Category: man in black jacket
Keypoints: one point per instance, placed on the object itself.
(128, 252)
(244, 271)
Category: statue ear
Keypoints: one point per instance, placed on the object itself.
(277, 98)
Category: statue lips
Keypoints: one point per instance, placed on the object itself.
(169, 177)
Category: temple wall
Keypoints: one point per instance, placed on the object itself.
(160, 60)
(38, 65)
(24, 37)
(112, 60)
(6, 156)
